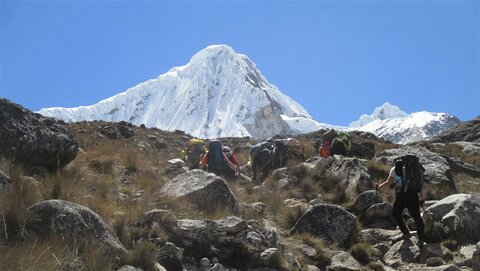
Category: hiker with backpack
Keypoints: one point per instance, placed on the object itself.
(194, 150)
(407, 174)
(268, 155)
(220, 160)
(231, 165)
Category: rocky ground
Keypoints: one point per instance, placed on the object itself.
(118, 198)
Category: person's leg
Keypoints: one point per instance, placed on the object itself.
(398, 206)
(413, 206)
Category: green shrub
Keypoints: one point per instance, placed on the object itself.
(362, 252)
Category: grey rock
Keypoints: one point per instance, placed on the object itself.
(129, 268)
(162, 217)
(174, 167)
(32, 140)
(380, 239)
(449, 267)
(353, 173)
(311, 268)
(469, 147)
(378, 216)
(72, 222)
(331, 222)
(170, 257)
(284, 184)
(404, 251)
(234, 240)
(280, 173)
(366, 199)
(343, 261)
(435, 261)
(456, 216)
(428, 251)
(465, 131)
(205, 190)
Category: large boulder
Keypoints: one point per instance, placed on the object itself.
(454, 217)
(72, 222)
(366, 199)
(353, 173)
(331, 222)
(438, 173)
(235, 242)
(378, 215)
(205, 190)
(33, 140)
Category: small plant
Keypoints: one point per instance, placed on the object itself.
(290, 216)
(378, 172)
(320, 246)
(376, 266)
(101, 166)
(97, 257)
(451, 244)
(362, 252)
(353, 238)
(142, 255)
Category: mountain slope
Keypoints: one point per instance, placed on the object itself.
(393, 124)
(219, 93)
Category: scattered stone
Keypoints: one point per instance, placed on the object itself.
(343, 261)
(5, 182)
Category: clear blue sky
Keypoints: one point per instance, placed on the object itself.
(339, 59)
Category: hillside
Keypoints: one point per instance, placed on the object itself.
(125, 215)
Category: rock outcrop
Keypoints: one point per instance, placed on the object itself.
(32, 140)
(456, 217)
(235, 242)
(205, 190)
(465, 131)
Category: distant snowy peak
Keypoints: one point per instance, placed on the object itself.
(393, 124)
(219, 93)
(386, 111)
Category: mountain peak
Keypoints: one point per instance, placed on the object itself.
(215, 53)
(219, 93)
(385, 111)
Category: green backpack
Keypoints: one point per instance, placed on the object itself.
(347, 140)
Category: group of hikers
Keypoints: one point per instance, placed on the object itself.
(268, 155)
(264, 157)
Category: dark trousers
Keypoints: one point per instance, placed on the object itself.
(412, 203)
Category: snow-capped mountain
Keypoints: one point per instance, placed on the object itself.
(219, 93)
(393, 124)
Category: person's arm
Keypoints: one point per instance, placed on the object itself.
(388, 182)
(203, 161)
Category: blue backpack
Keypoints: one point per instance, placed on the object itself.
(215, 156)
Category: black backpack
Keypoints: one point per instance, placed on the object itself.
(411, 171)
(215, 156)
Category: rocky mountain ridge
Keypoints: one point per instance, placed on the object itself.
(221, 93)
